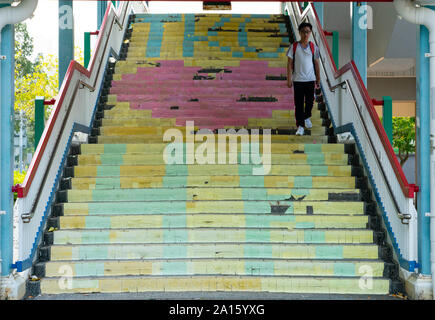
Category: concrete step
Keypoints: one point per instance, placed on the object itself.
(158, 148)
(285, 123)
(139, 46)
(266, 250)
(101, 183)
(213, 193)
(215, 207)
(218, 283)
(212, 235)
(196, 267)
(211, 169)
(155, 139)
(131, 67)
(161, 131)
(251, 70)
(245, 157)
(214, 221)
(184, 93)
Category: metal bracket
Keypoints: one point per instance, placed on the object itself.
(429, 55)
(2, 212)
(404, 216)
(118, 23)
(83, 85)
(428, 214)
(2, 57)
(26, 217)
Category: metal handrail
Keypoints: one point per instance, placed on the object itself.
(401, 216)
(404, 217)
(26, 217)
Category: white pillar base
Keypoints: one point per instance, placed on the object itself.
(417, 286)
(13, 287)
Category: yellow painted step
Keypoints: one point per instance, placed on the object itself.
(245, 157)
(160, 147)
(252, 123)
(212, 266)
(160, 131)
(219, 250)
(217, 283)
(155, 139)
(213, 221)
(211, 207)
(206, 181)
(212, 193)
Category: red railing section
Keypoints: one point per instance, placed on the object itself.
(407, 188)
(23, 190)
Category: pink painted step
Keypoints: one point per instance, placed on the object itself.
(201, 83)
(180, 97)
(203, 91)
(243, 63)
(246, 69)
(195, 106)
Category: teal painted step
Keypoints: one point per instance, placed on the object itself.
(102, 183)
(265, 267)
(213, 193)
(213, 250)
(121, 149)
(207, 283)
(148, 159)
(253, 207)
(218, 169)
(210, 220)
(214, 235)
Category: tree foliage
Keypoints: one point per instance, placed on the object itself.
(24, 50)
(404, 137)
(32, 79)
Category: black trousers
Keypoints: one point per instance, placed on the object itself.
(304, 100)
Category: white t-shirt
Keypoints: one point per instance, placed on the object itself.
(304, 69)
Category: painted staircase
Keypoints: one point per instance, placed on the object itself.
(129, 222)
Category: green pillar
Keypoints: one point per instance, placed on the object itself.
(335, 47)
(39, 119)
(87, 49)
(387, 117)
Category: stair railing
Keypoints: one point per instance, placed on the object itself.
(73, 111)
(351, 110)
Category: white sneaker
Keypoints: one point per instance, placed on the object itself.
(300, 131)
(308, 123)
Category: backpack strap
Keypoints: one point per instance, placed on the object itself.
(312, 52)
(311, 47)
(295, 46)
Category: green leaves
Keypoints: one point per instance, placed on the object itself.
(404, 137)
(32, 79)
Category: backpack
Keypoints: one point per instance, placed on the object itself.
(294, 47)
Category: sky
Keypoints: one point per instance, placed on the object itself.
(43, 27)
